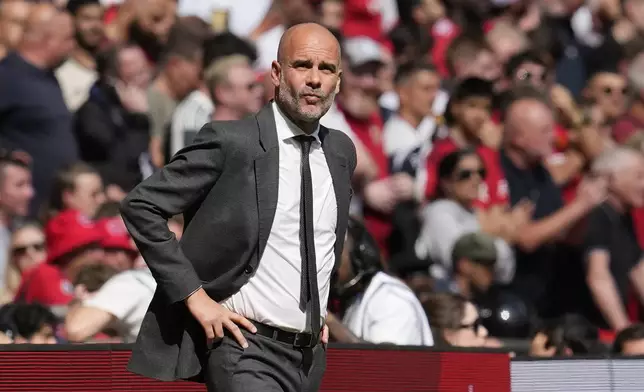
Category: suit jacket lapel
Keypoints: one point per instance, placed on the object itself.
(341, 186)
(266, 175)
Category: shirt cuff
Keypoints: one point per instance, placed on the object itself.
(192, 292)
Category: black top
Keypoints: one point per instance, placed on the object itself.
(34, 118)
(112, 139)
(612, 231)
(534, 277)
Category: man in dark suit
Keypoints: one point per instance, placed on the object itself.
(241, 299)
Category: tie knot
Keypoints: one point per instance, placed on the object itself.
(305, 141)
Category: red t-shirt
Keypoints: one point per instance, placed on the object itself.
(442, 32)
(495, 188)
(46, 285)
(625, 127)
(362, 18)
(370, 134)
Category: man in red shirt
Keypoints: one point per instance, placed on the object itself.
(73, 241)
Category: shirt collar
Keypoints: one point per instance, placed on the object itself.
(286, 129)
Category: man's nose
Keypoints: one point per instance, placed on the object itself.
(313, 79)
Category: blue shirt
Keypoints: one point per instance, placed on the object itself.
(35, 119)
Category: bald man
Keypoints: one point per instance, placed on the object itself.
(529, 124)
(34, 116)
(241, 299)
(13, 15)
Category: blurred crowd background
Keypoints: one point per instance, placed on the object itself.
(499, 192)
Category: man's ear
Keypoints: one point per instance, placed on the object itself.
(339, 82)
(276, 72)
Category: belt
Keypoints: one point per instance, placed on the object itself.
(296, 339)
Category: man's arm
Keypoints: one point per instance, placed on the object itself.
(168, 192)
(637, 279)
(604, 291)
(340, 332)
(537, 233)
(83, 322)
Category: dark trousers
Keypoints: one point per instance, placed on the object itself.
(266, 365)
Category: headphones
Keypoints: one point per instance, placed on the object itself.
(364, 256)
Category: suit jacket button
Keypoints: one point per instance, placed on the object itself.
(248, 270)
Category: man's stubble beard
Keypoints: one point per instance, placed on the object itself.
(291, 100)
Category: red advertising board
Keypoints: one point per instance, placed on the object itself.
(349, 369)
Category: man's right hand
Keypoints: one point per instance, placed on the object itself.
(214, 318)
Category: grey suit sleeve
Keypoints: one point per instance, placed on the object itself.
(168, 192)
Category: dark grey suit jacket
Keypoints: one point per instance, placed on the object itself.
(226, 186)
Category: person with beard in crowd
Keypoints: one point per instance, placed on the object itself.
(34, 117)
(150, 26)
(380, 308)
(77, 75)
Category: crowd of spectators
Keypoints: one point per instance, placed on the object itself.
(499, 188)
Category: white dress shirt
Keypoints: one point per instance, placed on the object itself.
(389, 312)
(272, 294)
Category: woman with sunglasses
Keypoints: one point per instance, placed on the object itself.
(455, 321)
(461, 177)
(27, 250)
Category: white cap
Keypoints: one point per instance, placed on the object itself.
(362, 50)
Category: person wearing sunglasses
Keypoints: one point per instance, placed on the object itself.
(608, 90)
(27, 250)
(445, 220)
(455, 321)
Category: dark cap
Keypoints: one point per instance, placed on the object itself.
(478, 247)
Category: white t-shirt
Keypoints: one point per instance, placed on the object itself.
(75, 82)
(243, 15)
(126, 296)
(267, 45)
(389, 312)
(190, 115)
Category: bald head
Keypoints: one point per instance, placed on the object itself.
(48, 35)
(306, 34)
(529, 123)
(306, 75)
(13, 15)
